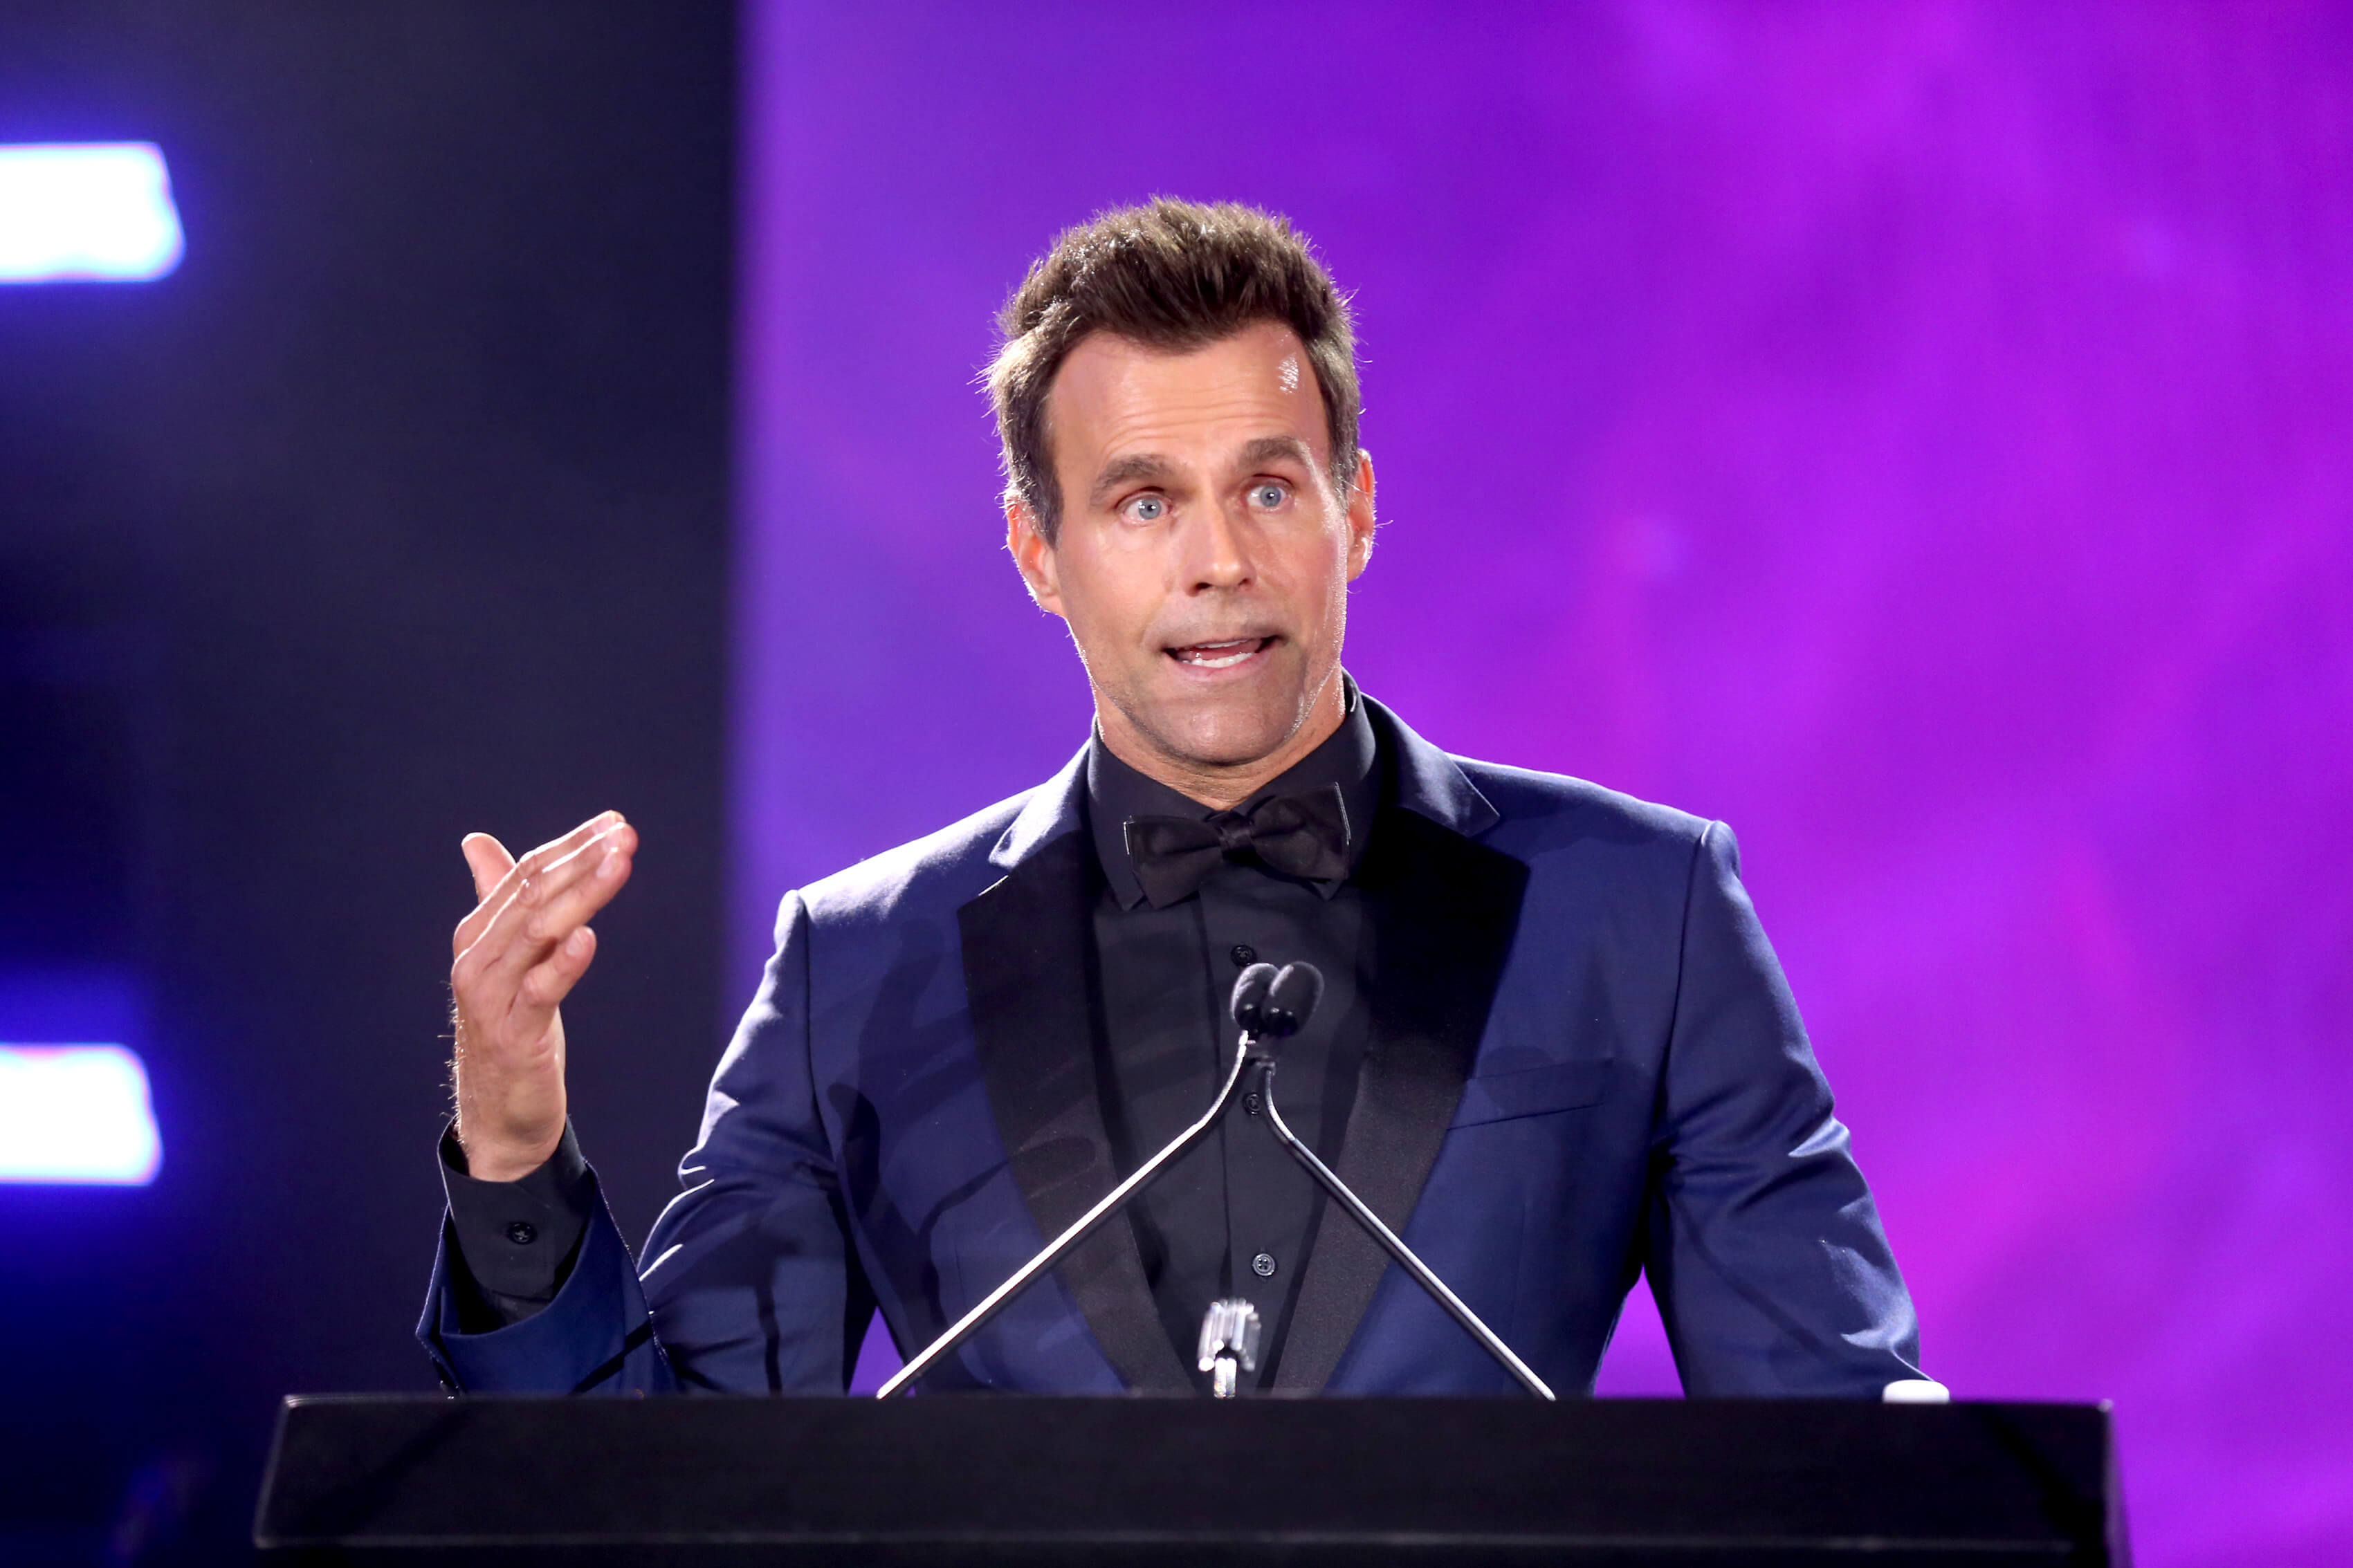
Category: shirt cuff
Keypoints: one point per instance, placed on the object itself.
(518, 1237)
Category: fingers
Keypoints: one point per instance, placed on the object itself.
(544, 913)
(524, 878)
(551, 908)
(487, 859)
(548, 983)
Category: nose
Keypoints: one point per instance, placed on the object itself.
(1217, 554)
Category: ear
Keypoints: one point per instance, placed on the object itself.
(1033, 555)
(1361, 519)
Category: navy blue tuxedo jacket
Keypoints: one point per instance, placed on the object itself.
(1584, 1065)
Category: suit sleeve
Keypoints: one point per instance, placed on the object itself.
(594, 1337)
(750, 1274)
(748, 1285)
(1762, 1243)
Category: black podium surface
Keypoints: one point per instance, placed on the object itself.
(1013, 1481)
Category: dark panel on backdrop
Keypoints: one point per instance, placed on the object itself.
(399, 510)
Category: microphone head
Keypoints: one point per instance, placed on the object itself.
(1291, 1000)
(1251, 988)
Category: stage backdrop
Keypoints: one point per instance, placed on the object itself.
(1917, 435)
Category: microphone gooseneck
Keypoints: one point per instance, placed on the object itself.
(1253, 992)
(1268, 1005)
(1291, 995)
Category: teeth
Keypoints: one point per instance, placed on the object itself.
(1200, 658)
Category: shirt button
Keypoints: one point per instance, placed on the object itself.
(1264, 1264)
(522, 1233)
(1243, 955)
(1249, 1102)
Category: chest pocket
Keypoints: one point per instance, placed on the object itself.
(1531, 1091)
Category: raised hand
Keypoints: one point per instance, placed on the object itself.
(515, 958)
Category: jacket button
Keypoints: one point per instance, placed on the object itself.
(1243, 955)
(1249, 1102)
(1264, 1264)
(522, 1233)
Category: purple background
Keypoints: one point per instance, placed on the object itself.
(1915, 434)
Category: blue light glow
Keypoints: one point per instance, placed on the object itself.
(78, 1115)
(89, 212)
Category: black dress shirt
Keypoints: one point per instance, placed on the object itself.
(516, 1239)
(1235, 1217)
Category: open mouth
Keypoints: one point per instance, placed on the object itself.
(1219, 654)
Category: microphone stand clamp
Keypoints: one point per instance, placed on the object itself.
(1229, 1345)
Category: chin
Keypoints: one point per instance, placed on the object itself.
(1230, 734)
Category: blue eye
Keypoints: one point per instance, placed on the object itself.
(1269, 495)
(1147, 508)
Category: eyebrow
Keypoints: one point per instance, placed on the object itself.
(1150, 465)
(1267, 449)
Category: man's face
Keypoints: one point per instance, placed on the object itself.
(1204, 558)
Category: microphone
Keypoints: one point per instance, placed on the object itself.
(1290, 1001)
(1252, 987)
(1280, 1006)
(1272, 1005)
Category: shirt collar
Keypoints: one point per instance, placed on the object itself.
(1116, 791)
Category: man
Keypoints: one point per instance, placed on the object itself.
(1555, 1049)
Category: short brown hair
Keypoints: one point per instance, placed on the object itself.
(1174, 275)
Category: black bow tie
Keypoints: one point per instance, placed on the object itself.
(1299, 834)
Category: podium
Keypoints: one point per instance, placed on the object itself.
(1005, 1481)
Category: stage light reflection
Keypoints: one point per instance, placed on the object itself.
(75, 1114)
(93, 212)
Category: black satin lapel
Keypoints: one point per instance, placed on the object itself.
(1443, 909)
(1029, 975)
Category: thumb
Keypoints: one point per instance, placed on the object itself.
(487, 859)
